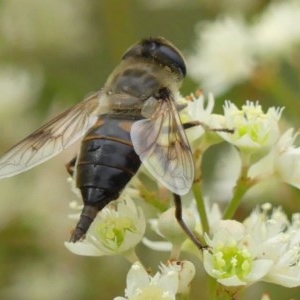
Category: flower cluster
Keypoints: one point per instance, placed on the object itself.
(117, 229)
(263, 247)
(219, 44)
(234, 257)
(172, 279)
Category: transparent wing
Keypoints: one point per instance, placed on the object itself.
(162, 146)
(50, 139)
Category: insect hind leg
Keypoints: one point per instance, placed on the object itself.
(178, 215)
(70, 166)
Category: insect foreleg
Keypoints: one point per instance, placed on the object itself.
(178, 215)
(191, 124)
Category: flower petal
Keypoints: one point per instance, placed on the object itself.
(83, 248)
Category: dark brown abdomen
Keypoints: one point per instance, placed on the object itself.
(106, 163)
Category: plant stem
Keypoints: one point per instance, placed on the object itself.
(212, 288)
(131, 256)
(240, 190)
(201, 207)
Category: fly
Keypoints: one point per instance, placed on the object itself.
(132, 120)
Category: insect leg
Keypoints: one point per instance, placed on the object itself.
(70, 166)
(178, 215)
(191, 124)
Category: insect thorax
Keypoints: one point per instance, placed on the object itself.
(141, 81)
(133, 82)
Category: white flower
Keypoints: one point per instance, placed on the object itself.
(141, 286)
(286, 269)
(223, 55)
(282, 162)
(199, 109)
(114, 231)
(265, 247)
(228, 50)
(274, 237)
(229, 259)
(276, 30)
(264, 223)
(185, 271)
(253, 129)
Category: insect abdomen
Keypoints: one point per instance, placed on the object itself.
(106, 163)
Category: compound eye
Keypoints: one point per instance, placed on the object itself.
(165, 53)
(161, 51)
(172, 58)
